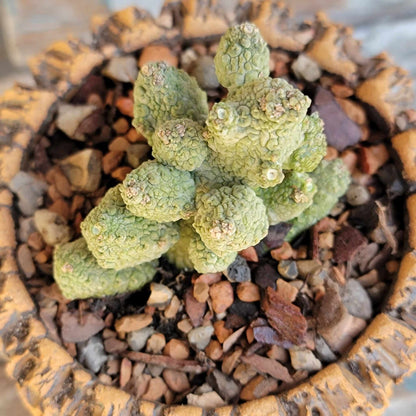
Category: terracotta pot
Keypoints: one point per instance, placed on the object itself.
(49, 380)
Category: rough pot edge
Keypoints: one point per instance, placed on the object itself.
(50, 380)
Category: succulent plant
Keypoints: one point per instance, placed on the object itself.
(118, 239)
(219, 177)
(79, 276)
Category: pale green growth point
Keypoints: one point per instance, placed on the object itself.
(288, 199)
(256, 128)
(163, 92)
(332, 179)
(242, 56)
(159, 192)
(205, 260)
(79, 276)
(230, 219)
(180, 143)
(308, 156)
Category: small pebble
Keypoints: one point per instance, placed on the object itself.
(201, 336)
(306, 267)
(29, 191)
(258, 387)
(185, 325)
(137, 339)
(177, 349)
(231, 360)
(288, 269)
(91, 353)
(337, 209)
(172, 309)
(286, 290)
(214, 350)
(137, 153)
(177, 381)
(156, 343)
(377, 292)
(244, 373)
(356, 300)
(120, 126)
(115, 346)
(222, 296)
(125, 106)
(35, 241)
(125, 371)
(52, 227)
(204, 71)
(323, 351)
(188, 57)
(83, 169)
(284, 252)
(160, 295)
(248, 292)
(209, 400)
(111, 160)
(357, 195)
(25, 261)
(121, 68)
(157, 53)
(238, 270)
(70, 117)
(155, 370)
(304, 359)
(155, 390)
(26, 228)
(201, 291)
(306, 68)
(225, 386)
(129, 323)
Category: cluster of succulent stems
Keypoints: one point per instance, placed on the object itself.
(218, 180)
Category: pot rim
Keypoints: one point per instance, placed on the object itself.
(360, 382)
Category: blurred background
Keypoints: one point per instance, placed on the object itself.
(28, 26)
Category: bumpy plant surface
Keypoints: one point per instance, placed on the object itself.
(219, 178)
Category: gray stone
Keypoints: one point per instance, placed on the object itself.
(26, 227)
(201, 336)
(356, 300)
(29, 191)
(52, 226)
(91, 353)
(83, 169)
(357, 195)
(137, 339)
(155, 370)
(225, 386)
(324, 353)
(121, 68)
(25, 260)
(238, 271)
(304, 359)
(306, 68)
(204, 71)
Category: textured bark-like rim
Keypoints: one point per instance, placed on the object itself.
(49, 380)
